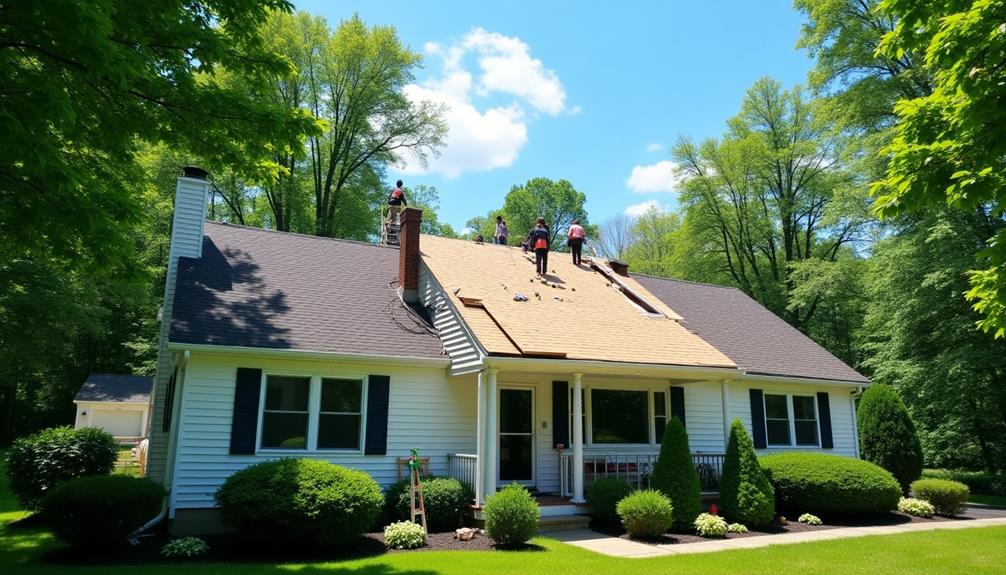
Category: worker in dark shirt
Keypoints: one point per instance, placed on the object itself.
(396, 199)
(539, 243)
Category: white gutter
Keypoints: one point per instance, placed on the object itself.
(790, 379)
(586, 366)
(311, 354)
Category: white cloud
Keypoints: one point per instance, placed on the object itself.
(658, 177)
(485, 137)
(654, 147)
(636, 210)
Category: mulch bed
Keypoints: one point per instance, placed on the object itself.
(893, 518)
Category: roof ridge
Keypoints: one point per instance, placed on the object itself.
(735, 288)
(300, 235)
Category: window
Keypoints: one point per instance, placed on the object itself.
(785, 429)
(312, 413)
(341, 414)
(619, 416)
(659, 415)
(285, 413)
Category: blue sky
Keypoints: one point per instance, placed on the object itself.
(590, 92)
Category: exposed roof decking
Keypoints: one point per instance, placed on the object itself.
(592, 321)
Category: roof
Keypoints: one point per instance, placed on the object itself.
(580, 314)
(116, 388)
(756, 339)
(267, 289)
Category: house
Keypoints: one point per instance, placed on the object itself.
(283, 345)
(119, 404)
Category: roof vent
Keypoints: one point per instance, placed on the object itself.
(619, 267)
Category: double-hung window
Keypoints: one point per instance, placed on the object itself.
(312, 413)
(791, 420)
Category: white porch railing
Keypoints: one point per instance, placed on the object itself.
(463, 467)
(635, 469)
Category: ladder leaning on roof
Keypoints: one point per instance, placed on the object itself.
(391, 226)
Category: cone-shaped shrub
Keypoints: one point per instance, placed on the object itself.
(674, 475)
(745, 493)
(887, 435)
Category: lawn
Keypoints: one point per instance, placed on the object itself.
(25, 550)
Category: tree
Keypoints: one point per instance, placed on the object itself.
(675, 476)
(887, 435)
(355, 81)
(746, 496)
(427, 199)
(653, 246)
(556, 201)
(616, 236)
(920, 339)
(949, 145)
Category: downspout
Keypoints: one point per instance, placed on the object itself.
(856, 393)
(169, 472)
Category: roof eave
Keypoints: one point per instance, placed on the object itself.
(438, 362)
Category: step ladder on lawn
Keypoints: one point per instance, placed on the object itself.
(416, 490)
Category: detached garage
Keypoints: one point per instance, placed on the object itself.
(119, 404)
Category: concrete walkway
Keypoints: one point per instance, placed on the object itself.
(617, 547)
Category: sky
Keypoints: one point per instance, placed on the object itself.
(591, 92)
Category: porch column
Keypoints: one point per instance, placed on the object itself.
(480, 440)
(491, 450)
(578, 438)
(725, 389)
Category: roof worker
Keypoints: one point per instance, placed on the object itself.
(539, 243)
(575, 239)
(501, 231)
(396, 199)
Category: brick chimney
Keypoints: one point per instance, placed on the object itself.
(408, 254)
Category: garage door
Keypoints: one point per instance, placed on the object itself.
(118, 423)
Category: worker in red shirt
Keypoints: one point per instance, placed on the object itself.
(396, 199)
(539, 243)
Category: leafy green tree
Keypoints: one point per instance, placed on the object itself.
(949, 145)
(746, 495)
(887, 435)
(675, 476)
(653, 245)
(556, 201)
(427, 199)
(920, 339)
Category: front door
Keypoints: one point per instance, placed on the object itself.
(516, 435)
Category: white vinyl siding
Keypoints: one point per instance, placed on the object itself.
(458, 342)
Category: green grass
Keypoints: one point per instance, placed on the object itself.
(959, 551)
(994, 500)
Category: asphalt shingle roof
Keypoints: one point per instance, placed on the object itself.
(116, 388)
(260, 288)
(756, 339)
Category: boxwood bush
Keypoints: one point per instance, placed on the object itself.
(300, 501)
(646, 514)
(40, 462)
(977, 481)
(511, 516)
(445, 499)
(830, 485)
(948, 497)
(674, 475)
(101, 511)
(603, 496)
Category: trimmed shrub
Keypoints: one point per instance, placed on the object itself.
(445, 499)
(404, 535)
(301, 501)
(603, 497)
(977, 481)
(830, 485)
(674, 475)
(184, 548)
(709, 525)
(736, 528)
(646, 514)
(511, 516)
(887, 435)
(948, 497)
(101, 510)
(745, 493)
(916, 507)
(809, 519)
(40, 462)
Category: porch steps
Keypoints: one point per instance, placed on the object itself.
(553, 523)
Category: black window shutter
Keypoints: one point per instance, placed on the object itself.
(678, 404)
(244, 423)
(758, 419)
(824, 419)
(560, 413)
(378, 390)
